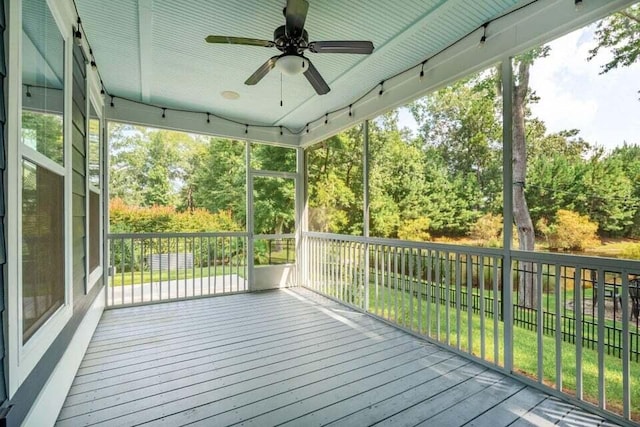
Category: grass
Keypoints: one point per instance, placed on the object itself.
(140, 277)
(446, 326)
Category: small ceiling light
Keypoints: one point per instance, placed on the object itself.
(291, 64)
(578, 4)
(78, 36)
(112, 104)
(93, 64)
(28, 94)
(483, 39)
(230, 95)
(208, 117)
(164, 115)
(350, 113)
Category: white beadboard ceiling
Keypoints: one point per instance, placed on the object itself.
(154, 51)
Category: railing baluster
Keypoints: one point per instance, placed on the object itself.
(482, 309)
(438, 293)
(419, 268)
(469, 304)
(539, 321)
(626, 383)
(429, 282)
(447, 297)
(458, 302)
(602, 401)
(558, 331)
(577, 289)
(496, 335)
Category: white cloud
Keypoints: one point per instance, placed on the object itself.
(605, 108)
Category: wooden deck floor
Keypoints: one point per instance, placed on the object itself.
(287, 357)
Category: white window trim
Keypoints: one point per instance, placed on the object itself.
(94, 276)
(22, 358)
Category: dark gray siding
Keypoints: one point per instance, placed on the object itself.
(79, 140)
(3, 242)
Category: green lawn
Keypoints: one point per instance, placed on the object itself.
(442, 325)
(139, 277)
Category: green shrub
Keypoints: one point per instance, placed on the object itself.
(415, 229)
(631, 251)
(569, 231)
(488, 228)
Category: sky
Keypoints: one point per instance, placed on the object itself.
(573, 95)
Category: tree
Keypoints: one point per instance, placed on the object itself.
(527, 294)
(619, 32)
(219, 183)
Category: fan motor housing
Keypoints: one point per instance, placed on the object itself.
(286, 44)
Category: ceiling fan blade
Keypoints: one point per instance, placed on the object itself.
(296, 14)
(262, 71)
(340, 46)
(313, 75)
(239, 40)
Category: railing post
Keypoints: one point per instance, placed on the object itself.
(507, 209)
(249, 216)
(365, 213)
(300, 217)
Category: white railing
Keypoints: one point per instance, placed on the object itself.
(150, 267)
(560, 332)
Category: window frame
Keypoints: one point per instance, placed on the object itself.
(94, 276)
(22, 357)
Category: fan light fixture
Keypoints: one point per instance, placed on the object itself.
(292, 64)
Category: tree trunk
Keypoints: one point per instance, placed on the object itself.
(527, 295)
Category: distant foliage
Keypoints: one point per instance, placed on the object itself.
(569, 231)
(632, 251)
(487, 228)
(157, 219)
(415, 229)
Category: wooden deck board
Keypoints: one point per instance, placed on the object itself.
(286, 357)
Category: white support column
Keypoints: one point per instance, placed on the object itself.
(365, 209)
(300, 216)
(104, 185)
(249, 215)
(507, 209)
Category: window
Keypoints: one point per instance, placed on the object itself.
(43, 168)
(42, 245)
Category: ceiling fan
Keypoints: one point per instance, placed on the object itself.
(292, 40)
